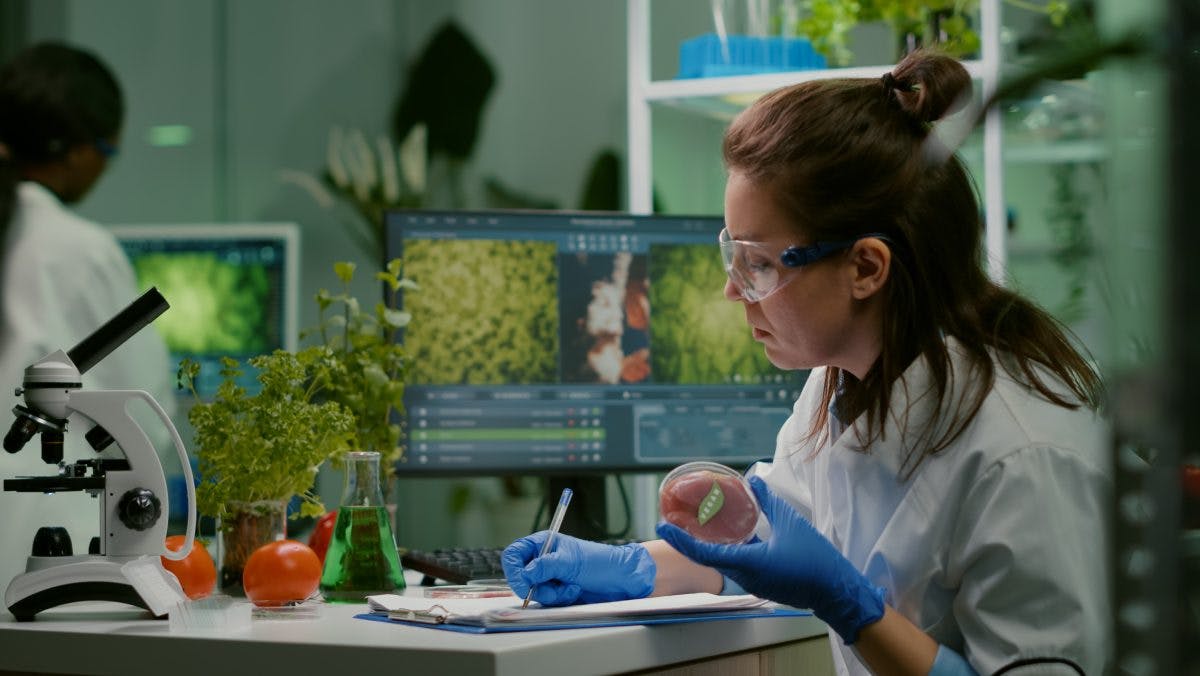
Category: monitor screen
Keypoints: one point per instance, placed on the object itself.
(231, 288)
(566, 342)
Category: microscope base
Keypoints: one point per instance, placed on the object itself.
(25, 609)
(80, 578)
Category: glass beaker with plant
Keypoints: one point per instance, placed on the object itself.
(368, 367)
(367, 364)
(256, 452)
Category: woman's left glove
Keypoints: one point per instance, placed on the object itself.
(577, 571)
(796, 566)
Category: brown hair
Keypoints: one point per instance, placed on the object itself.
(52, 96)
(849, 157)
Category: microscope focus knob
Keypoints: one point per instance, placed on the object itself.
(139, 508)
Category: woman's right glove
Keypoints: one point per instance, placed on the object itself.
(796, 566)
(577, 571)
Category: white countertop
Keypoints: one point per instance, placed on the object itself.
(102, 638)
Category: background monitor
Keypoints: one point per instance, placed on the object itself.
(232, 289)
(575, 344)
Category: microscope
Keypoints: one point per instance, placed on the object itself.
(132, 491)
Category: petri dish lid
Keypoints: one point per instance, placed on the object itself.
(709, 501)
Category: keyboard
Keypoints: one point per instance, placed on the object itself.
(456, 565)
(460, 565)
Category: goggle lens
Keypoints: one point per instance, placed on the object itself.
(749, 267)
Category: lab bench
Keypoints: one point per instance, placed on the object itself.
(97, 638)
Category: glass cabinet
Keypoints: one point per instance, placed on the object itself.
(1038, 161)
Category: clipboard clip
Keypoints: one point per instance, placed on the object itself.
(435, 614)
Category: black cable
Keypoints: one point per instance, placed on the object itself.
(598, 527)
(621, 534)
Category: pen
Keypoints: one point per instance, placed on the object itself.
(555, 524)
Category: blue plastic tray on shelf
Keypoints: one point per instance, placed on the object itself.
(704, 56)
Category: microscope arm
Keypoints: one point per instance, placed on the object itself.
(108, 408)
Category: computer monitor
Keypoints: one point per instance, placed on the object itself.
(232, 289)
(576, 344)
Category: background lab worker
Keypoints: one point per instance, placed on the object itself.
(63, 276)
(937, 495)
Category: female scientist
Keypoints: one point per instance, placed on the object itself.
(936, 496)
(60, 119)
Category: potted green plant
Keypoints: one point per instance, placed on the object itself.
(258, 451)
(367, 364)
(946, 23)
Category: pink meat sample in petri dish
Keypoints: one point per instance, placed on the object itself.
(709, 501)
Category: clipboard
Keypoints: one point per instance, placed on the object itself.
(435, 614)
(485, 615)
(778, 611)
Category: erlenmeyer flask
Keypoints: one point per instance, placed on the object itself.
(361, 559)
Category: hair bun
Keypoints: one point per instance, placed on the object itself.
(930, 85)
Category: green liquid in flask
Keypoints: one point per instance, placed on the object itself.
(361, 559)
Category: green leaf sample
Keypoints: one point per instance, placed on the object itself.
(488, 309)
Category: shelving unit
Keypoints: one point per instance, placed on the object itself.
(723, 97)
(720, 99)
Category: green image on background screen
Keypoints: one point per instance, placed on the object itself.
(486, 312)
(697, 336)
(216, 307)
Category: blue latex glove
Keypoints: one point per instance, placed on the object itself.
(577, 571)
(796, 566)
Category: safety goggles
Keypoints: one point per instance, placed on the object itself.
(757, 271)
(106, 148)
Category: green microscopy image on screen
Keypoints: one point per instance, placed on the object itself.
(486, 312)
(217, 307)
(697, 336)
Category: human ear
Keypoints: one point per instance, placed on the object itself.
(872, 261)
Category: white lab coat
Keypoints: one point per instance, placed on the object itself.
(996, 547)
(64, 276)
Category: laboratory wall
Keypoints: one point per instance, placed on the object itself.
(230, 106)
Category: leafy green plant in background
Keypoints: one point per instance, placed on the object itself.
(371, 179)
(266, 447)
(374, 181)
(488, 312)
(947, 23)
(367, 365)
(698, 336)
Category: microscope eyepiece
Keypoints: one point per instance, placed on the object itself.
(117, 330)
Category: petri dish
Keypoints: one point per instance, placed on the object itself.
(709, 501)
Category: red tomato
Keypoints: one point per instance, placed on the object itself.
(322, 533)
(196, 572)
(281, 572)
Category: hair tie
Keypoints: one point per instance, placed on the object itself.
(889, 82)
